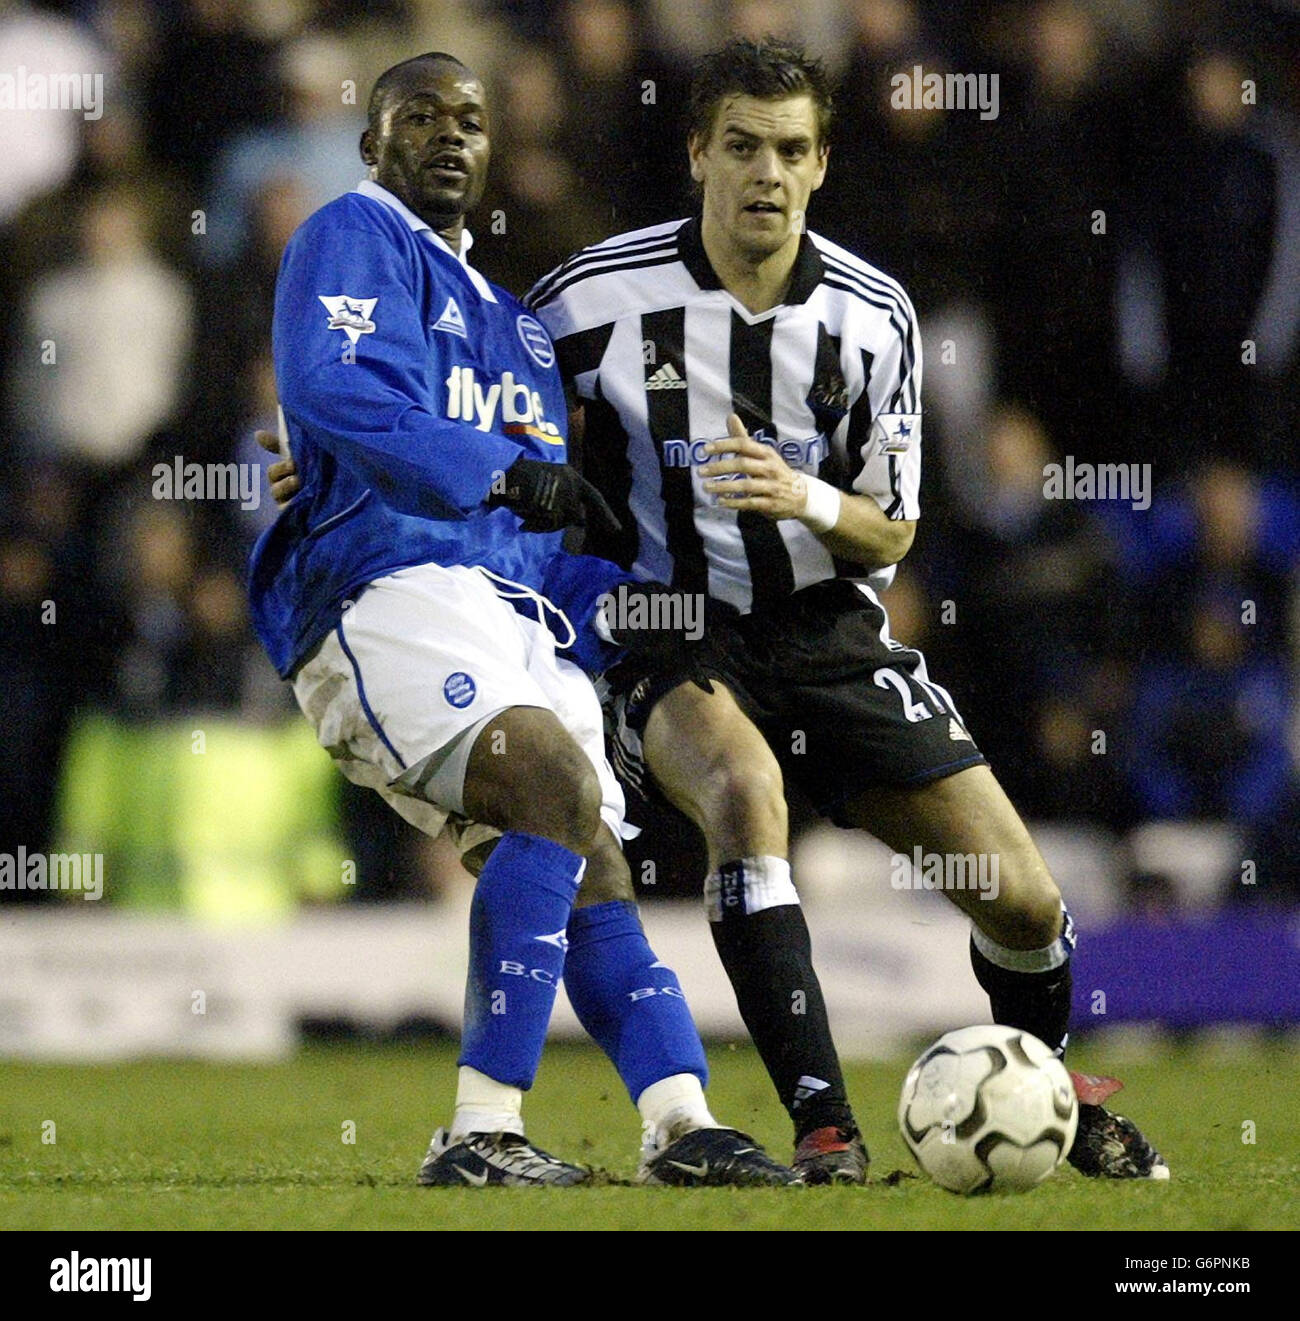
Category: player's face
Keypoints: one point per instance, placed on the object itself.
(759, 167)
(431, 147)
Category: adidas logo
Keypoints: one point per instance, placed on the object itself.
(666, 378)
(451, 320)
(956, 732)
(806, 1088)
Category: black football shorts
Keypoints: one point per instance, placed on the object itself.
(843, 705)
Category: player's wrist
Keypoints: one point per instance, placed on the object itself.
(822, 504)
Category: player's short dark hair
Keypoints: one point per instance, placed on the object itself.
(768, 69)
(393, 76)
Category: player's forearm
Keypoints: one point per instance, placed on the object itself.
(865, 536)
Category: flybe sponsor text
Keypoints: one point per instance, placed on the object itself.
(467, 401)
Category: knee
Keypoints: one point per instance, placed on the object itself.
(1035, 916)
(736, 790)
(570, 798)
(536, 779)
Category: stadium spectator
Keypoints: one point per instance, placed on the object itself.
(235, 303)
(1208, 217)
(934, 232)
(617, 92)
(539, 196)
(49, 622)
(313, 143)
(1051, 159)
(108, 340)
(42, 146)
(1213, 705)
(1044, 572)
(214, 78)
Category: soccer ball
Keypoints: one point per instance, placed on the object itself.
(988, 1109)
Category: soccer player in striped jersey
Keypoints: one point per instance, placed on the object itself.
(750, 401)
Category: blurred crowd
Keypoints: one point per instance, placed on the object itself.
(1109, 270)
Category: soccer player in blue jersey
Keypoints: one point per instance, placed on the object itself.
(416, 594)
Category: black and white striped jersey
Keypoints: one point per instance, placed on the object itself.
(659, 353)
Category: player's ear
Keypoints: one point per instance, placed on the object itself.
(695, 149)
(368, 153)
(823, 160)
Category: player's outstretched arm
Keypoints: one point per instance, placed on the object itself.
(547, 496)
(742, 474)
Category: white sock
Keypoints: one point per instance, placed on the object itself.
(484, 1105)
(671, 1107)
(1027, 960)
(749, 885)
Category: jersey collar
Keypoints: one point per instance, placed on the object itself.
(369, 188)
(806, 276)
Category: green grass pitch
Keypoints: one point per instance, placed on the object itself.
(208, 1146)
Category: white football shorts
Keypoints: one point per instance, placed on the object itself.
(418, 664)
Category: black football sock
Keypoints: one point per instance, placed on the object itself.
(767, 955)
(1028, 989)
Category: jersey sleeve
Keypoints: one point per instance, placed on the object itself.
(576, 584)
(354, 368)
(885, 424)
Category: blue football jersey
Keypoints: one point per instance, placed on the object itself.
(408, 383)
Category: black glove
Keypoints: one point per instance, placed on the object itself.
(651, 621)
(551, 496)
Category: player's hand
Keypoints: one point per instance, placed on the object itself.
(283, 476)
(551, 496)
(661, 627)
(763, 481)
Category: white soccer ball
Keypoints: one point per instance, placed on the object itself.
(988, 1109)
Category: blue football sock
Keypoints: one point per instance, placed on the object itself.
(517, 940)
(629, 1002)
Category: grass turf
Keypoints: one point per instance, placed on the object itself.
(186, 1145)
